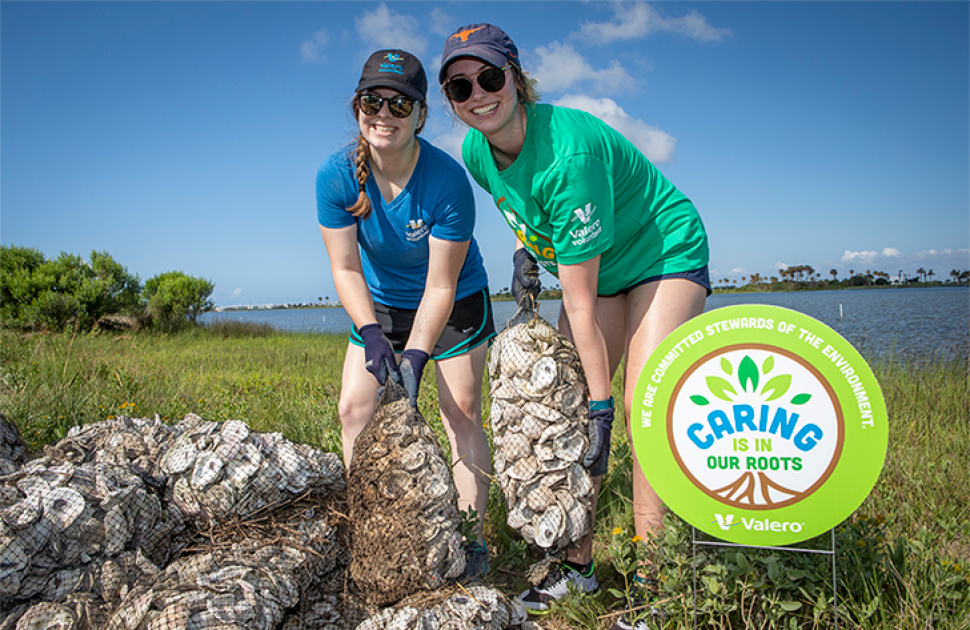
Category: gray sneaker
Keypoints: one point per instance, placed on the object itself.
(556, 585)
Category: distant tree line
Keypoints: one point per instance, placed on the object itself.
(70, 293)
(805, 277)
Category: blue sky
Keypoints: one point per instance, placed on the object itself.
(187, 135)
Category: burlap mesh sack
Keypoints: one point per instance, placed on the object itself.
(403, 505)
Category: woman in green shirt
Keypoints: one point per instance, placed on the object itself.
(629, 249)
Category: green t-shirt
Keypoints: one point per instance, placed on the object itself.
(580, 189)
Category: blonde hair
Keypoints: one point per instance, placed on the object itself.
(362, 207)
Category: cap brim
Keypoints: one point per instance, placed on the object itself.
(485, 53)
(404, 88)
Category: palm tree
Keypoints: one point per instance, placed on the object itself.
(955, 274)
(835, 275)
(930, 275)
(921, 272)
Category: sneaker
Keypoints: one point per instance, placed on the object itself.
(556, 585)
(476, 561)
(636, 618)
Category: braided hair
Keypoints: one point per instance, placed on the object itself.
(361, 209)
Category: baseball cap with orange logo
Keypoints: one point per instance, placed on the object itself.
(481, 41)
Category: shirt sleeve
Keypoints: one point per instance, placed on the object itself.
(470, 155)
(336, 191)
(454, 213)
(578, 197)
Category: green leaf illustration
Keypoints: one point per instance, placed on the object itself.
(748, 373)
(801, 399)
(719, 386)
(776, 387)
(768, 365)
(727, 367)
(699, 400)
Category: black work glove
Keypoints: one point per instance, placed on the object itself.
(412, 367)
(600, 429)
(525, 277)
(378, 354)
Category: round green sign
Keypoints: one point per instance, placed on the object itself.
(759, 425)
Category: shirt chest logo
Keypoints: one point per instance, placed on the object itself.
(416, 230)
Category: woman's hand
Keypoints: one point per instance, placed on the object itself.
(378, 354)
(525, 277)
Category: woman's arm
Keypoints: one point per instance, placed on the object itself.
(579, 300)
(444, 266)
(348, 274)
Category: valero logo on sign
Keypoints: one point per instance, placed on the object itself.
(759, 425)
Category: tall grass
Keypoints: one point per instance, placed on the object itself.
(902, 558)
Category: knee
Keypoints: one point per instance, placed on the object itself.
(464, 417)
(354, 414)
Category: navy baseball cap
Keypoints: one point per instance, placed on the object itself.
(481, 41)
(397, 70)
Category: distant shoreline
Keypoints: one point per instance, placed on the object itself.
(556, 294)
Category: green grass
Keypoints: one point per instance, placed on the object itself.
(903, 557)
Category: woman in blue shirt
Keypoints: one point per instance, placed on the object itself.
(397, 215)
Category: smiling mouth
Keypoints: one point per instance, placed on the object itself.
(383, 129)
(487, 109)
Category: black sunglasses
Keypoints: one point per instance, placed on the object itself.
(371, 104)
(490, 79)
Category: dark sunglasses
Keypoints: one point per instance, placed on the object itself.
(491, 79)
(371, 104)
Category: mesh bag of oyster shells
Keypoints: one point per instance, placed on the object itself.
(222, 470)
(403, 505)
(249, 584)
(137, 442)
(477, 606)
(13, 449)
(61, 524)
(540, 422)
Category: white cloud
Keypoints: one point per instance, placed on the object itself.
(383, 28)
(311, 49)
(237, 292)
(560, 66)
(887, 255)
(440, 23)
(634, 20)
(656, 144)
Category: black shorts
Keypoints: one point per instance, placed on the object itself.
(699, 276)
(469, 325)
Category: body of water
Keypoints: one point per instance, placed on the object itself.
(910, 322)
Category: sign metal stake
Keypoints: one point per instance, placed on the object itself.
(719, 543)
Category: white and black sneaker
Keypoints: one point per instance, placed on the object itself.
(636, 617)
(556, 584)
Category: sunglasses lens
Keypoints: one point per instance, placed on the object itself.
(492, 80)
(459, 90)
(400, 106)
(370, 104)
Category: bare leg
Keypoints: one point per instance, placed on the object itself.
(460, 398)
(358, 399)
(654, 310)
(613, 316)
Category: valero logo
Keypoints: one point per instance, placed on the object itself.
(759, 425)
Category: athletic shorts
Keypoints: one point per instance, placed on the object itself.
(699, 276)
(469, 326)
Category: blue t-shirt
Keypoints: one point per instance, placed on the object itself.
(393, 239)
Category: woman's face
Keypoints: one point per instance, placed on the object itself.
(385, 131)
(488, 112)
